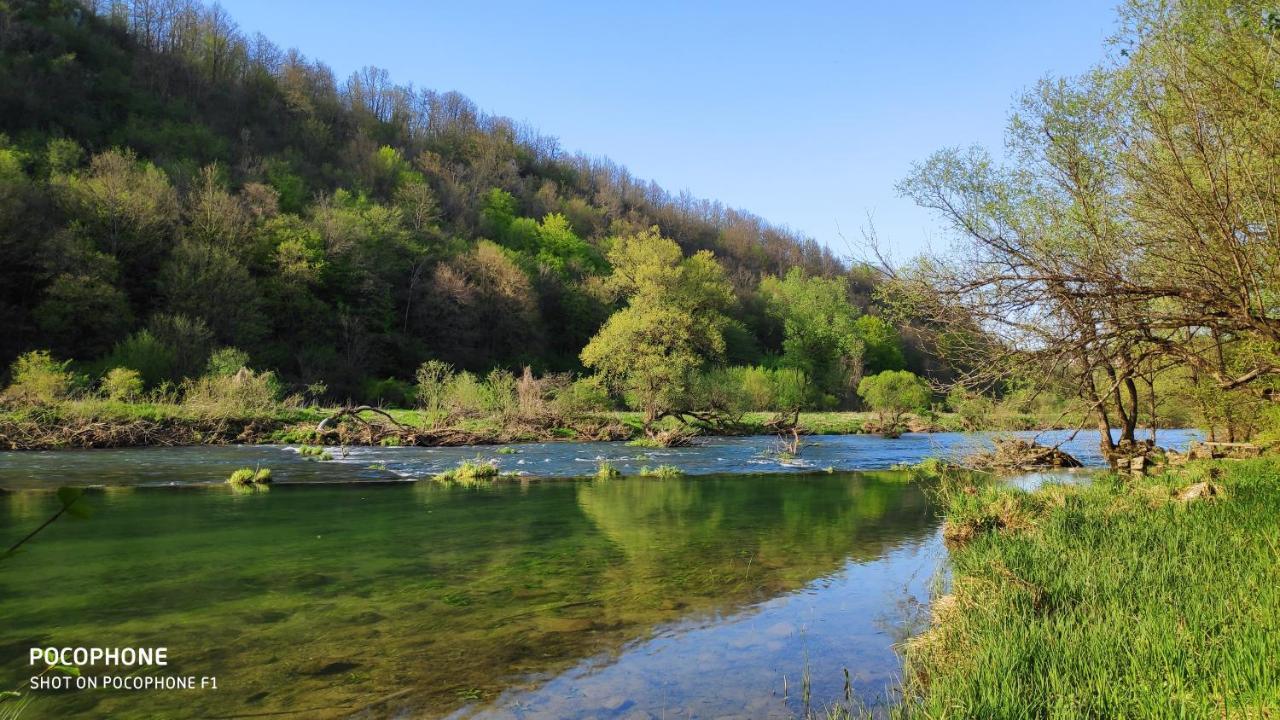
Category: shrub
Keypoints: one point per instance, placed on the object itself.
(388, 392)
(225, 362)
(122, 384)
(583, 395)
(465, 395)
(145, 353)
(606, 471)
(498, 393)
(975, 410)
(243, 391)
(314, 451)
(39, 379)
(433, 378)
(894, 393)
(662, 472)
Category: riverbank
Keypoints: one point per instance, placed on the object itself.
(106, 424)
(1120, 598)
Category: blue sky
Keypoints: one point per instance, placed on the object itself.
(806, 113)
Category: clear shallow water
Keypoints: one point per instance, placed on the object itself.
(755, 454)
(627, 598)
(333, 596)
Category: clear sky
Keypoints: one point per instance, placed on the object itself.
(806, 113)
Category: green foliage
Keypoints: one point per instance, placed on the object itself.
(606, 471)
(245, 476)
(232, 393)
(388, 392)
(38, 379)
(470, 473)
(314, 452)
(227, 361)
(822, 336)
(882, 345)
(433, 378)
(337, 240)
(143, 352)
(672, 326)
(894, 393)
(122, 384)
(84, 313)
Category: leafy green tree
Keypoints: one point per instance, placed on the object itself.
(82, 313)
(894, 393)
(209, 283)
(128, 208)
(672, 327)
(821, 332)
(882, 345)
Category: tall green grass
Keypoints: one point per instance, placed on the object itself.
(1112, 600)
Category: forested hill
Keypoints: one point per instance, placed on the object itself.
(167, 178)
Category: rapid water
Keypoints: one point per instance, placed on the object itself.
(733, 455)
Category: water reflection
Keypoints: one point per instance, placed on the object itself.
(621, 597)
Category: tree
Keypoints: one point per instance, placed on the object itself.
(820, 328)
(129, 210)
(672, 326)
(84, 314)
(894, 393)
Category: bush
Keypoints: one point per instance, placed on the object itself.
(584, 395)
(498, 394)
(242, 392)
(465, 396)
(388, 392)
(894, 393)
(975, 410)
(225, 362)
(433, 378)
(38, 379)
(122, 384)
(146, 354)
(189, 340)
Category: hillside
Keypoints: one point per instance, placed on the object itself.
(168, 180)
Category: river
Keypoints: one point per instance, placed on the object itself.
(346, 590)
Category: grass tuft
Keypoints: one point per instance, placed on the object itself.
(471, 472)
(662, 472)
(246, 476)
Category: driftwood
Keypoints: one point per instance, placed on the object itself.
(787, 427)
(1011, 454)
(354, 412)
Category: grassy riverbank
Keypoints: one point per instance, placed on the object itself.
(1116, 599)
